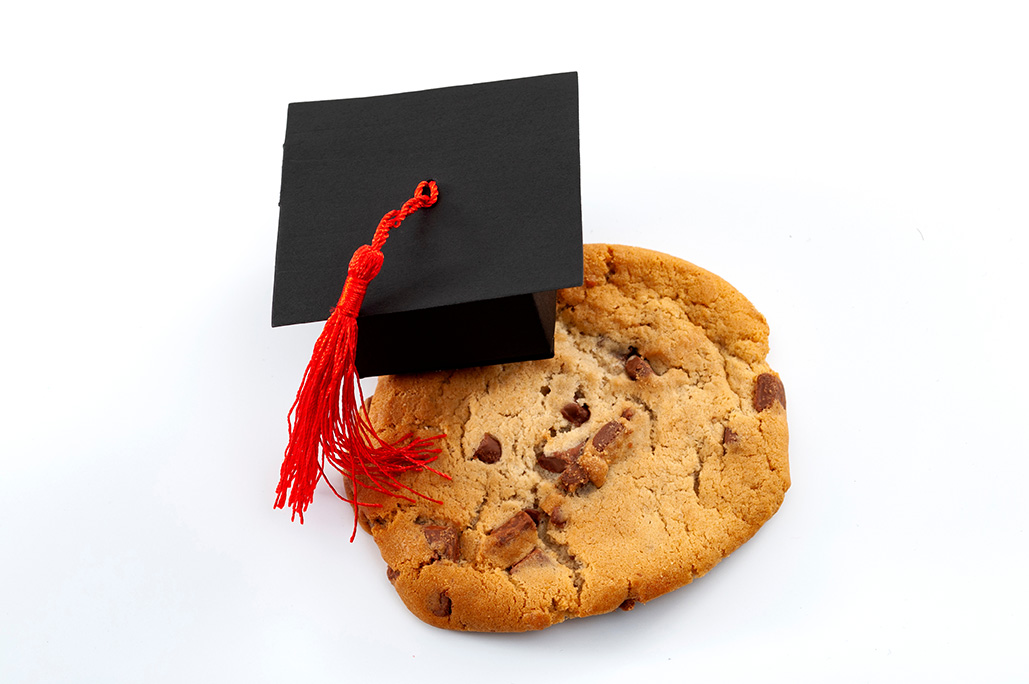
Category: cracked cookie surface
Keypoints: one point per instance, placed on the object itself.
(651, 446)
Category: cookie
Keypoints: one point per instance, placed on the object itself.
(651, 446)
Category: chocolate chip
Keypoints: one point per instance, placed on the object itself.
(510, 542)
(535, 514)
(575, 414)
(392, 574)
(628, 604)
(573, 477)
(768, 389)
(445, 542)
(553, 463)
(489, 449)
(512, 529)
(628, 413)
(558, 461)
(637, 368)
(606, 435)
(558, 517)
(439, 604)
(728, 436)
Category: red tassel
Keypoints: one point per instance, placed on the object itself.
(328, 422)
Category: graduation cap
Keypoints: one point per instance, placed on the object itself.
(491, 232)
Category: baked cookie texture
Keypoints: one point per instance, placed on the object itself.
(651, 446)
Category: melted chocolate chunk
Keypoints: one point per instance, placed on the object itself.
(510, 542)
(439, 604)
(558, 461)
(606, 435)
(768, 389)
(489, 449)
(637, 368)
(576, 414)
(728, 436)
(553, 463)
(628, 413)
(535, 514)
(573, 477)
(558, 517)
(512, 529)
(445, 542)
(392, 574)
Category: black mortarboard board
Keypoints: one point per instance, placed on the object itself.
(471, 280)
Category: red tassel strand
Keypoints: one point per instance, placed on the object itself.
(328, 422)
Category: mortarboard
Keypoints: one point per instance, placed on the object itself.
(470, 281)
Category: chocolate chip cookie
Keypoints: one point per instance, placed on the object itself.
(651, 446)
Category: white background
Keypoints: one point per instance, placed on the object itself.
(858, 170)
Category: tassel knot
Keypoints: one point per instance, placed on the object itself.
(365, 264)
